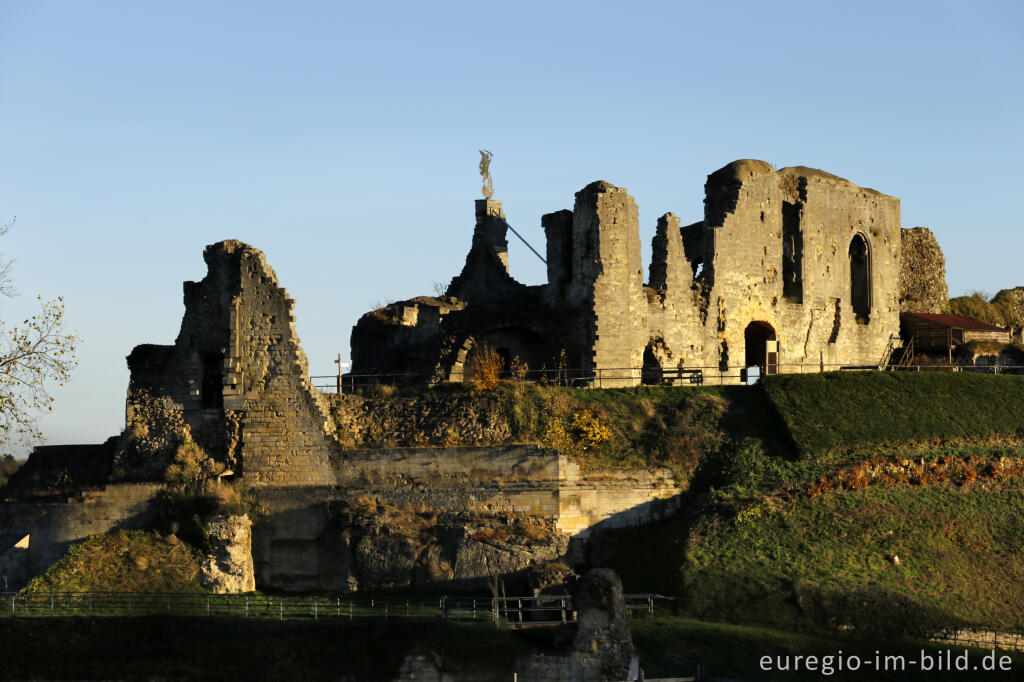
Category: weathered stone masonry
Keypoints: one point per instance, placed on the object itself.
(795, 270)
(236, 379)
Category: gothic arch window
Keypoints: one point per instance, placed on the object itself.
(860, 278)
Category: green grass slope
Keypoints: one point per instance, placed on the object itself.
(843, 409)
(893, 504)
(123, 561)
(908, 559)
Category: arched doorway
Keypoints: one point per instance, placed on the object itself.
(761, 348)
(651, 373)
(514, 347)
(211, 390)
(860, 278)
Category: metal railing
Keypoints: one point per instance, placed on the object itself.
(243, 606)
(630, 376)
(514, 612)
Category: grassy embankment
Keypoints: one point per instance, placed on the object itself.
(889, 502)
(123, 561)
(672, 646)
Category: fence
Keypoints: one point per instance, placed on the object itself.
(517, 611)
(513, 612)
(611, 377)
(243, 606)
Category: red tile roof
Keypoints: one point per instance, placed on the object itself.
(957, 322)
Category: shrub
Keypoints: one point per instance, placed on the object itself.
(186, 474)
(485, 367)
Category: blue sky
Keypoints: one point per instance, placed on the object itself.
(342, 139)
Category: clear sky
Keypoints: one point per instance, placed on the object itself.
(341, 139)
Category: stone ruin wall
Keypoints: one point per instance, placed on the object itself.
(287, 431)
(269, 422)
(54, 525)
(774, 248)
(923, 286)
(700, 322)
(747, 227)
(291, 546)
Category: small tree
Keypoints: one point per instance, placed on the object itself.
(32, 356)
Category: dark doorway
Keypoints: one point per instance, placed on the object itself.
(860, 279)
(761, 348)
(212, 390)
(651, 374)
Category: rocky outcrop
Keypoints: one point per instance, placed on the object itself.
(437, 418)
(383, 547)
(228, 566)
(922, 273)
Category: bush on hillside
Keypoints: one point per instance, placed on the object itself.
(978, 305)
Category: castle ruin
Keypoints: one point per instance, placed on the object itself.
(791, 270)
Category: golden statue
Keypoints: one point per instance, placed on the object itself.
(485, 173)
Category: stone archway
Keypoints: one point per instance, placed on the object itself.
(517, 346)
(761, 347)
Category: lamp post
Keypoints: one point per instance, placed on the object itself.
(341, 367)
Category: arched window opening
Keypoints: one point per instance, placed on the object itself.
(792, 254)
(860, 279)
